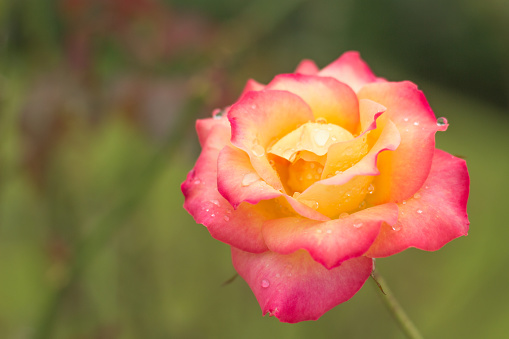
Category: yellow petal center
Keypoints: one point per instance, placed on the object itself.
(313, 137)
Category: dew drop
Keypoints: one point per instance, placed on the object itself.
(309, 176)
(226, 218)
(419, 211)
(441, 121)
(278, 275)
(405, 119)
(197, 181)
(265, 283)
(311, 203)
(272, 163)
(253, 106)
(321, 137)
(357, 224)
(404, 202)
(396, 227)
(344, 215)
(319, 170)
(258, 150)
(333, 138)
(328, 231)
(215, 202)
(371, 189)
(362, 204)
(321, 120)
(212, 215)
(249, 179)
(219, 114)
(417, 195)
(416, 123)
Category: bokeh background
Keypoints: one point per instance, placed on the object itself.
(97, 106)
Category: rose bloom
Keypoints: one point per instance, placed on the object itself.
(311, 177)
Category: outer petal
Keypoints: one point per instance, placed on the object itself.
(294, 287)
(241, 227)
(351, 70)
(404, 170)
(330, 242)
(436, 215)
(260, 118)
(307, 67)
(327, 97)
(252, 85)
(204, 128)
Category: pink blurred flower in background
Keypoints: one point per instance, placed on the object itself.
(312, 176)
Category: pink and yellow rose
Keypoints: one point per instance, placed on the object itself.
(312, 176)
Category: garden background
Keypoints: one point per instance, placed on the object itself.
(97, 106)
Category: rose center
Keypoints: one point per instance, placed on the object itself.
(305, 150)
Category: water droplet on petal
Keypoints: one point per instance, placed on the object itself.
(362, 204)
(329, 231)
(212, 215)
(419, 211)
(219, 114)
(197, 181)
(344, 215)
(265, 283)
(416, 123)
(226, 218)
(321, 137)
(253, 106)
(321, 120)
(311, 203)
(441, 121)
(371, 189)
(278, 275)
(249, 179)
(404, 202)
(405, 119)
(417, 195)
(357, 224)
(257, 149)
(396, 227)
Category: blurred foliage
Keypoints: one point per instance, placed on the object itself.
(97, 103)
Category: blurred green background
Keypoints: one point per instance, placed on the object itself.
(97, 106)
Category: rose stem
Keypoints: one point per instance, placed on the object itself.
(395, 308)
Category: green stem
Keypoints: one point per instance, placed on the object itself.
(407, 326)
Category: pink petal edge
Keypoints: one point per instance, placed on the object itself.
(296, 288)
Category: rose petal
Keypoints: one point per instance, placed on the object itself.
(307, 67)
(369, 111)
(330, 242)
(237, 180)
(437, 213)
(327, 97)
(296, 288)
(205, 126)
(351, 70)
(260, 118)
(240, 228)
(404, 170)
(252, 85)
(345, 191)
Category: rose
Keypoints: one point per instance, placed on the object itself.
(315, 174)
